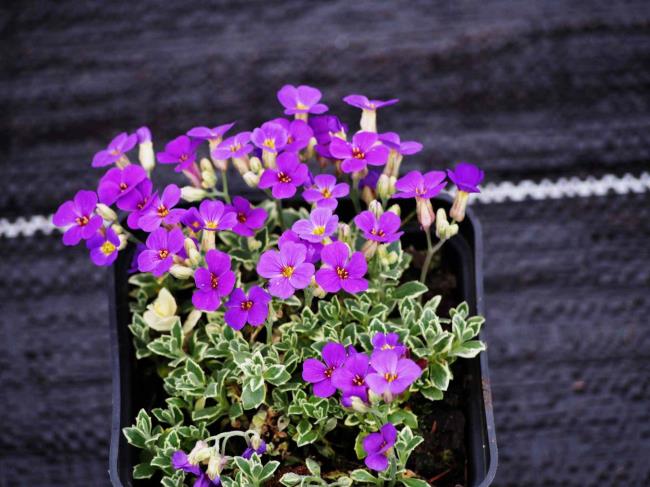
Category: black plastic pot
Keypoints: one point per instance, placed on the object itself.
(132, 390)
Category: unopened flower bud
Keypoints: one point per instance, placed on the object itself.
(191, 194)
(123, 241)
(208, 241)
(255, 164)
(242, 164)
(206, 165)
(208, 179)
(383, 187)
(344, 232)
(251, 179)
(269, 159)
(382, 253)
(117, 228)
(199, 453)
(358, 405)
(397, 209)
(369, 248)
(442, 224)
(375, 208)
(457, 211)
(367, 194)
(317, 291)
(145, 149)
(106, 212)
(425, 213)
(215, 465)
(452, 230)
(191, 320)
(192, 251)
(181, 271)
(253, 243)
(392, 257)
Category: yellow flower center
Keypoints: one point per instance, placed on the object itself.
(328, 372)
(214, 281)
(183, 157)
(358, 153)
(301, 106)
(342, 273)
(246, 305)
(284, 178)
(326, 193)
(319, 230)
(107, 248)
(390, 377)
(163, 253)
(378, 233)
(241, 217)
(123, 186)
(387, 347)
(358, 380)
(211, 225)
(81, 220)
(163, 211)
(287, 271)
(235, 147)
(270, 143)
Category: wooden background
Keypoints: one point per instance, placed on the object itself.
(529, 90)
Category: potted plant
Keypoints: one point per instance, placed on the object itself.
(306, 338)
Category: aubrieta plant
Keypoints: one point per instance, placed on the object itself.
(285, 334)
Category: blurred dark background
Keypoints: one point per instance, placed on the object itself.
(529, 90)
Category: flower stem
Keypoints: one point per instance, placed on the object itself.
(269, 332)
(224, 178)
(393, 470)
(409, 217)
(278, 209)
(431, 250)
(355, 195)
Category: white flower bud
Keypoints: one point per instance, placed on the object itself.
(383, 187)
(375, 208)
(241, 164)
(191, 320)
(215, 464)
(161, 314)
(146, 156)
(123, 241)
(344, 232)
(367, 194)
(255, 164)
(269, 159)
(397, 209)
(253, 243)
(208, 179)
(251, 179)
(181, 271)
(442, 224)
(369, 248)
(194, 256)
(199, 453)
(358, 405)
(452, 230)
(191, 194)
(117, 228)
(206, 165)
(392, 257)
(317, 291)
(425, 213)
(106, 212)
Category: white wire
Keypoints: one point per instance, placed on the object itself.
(490, 193)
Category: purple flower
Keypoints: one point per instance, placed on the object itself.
(248, 219)
(416, 185)
(116, 149)
(214, 282)
(392, 375)
(392, 140)
(143, 134)
(161, 248)
(260, 450)
(378, 445)
(299, 133)
(207, 133)
(303, 99)
(79, 216)
(320, 374)
(236, 146)
(313, 249)
(286, 269)
(467, 177)
(370, 180)
(117, 183)
(388, 341)
(211, 216)
(180, 151)
(133, 267)
(351, 378)
(137, 202)
(324, 126)
(364, 103)
(320, 225)
(180, 461)
(383, 229)
(325, 191)
(252, 309)
(103, 247)
(340, 270)
(364, 149)
(270, 137)
(290, 173)
(162, 210)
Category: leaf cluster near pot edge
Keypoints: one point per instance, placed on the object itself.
(278, 330)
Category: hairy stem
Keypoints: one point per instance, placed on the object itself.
(431, 250)
(224, 179)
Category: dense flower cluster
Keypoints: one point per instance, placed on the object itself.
(244, 262)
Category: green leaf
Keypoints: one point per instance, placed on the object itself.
(411, 289)
(360, 475)
(313, 467)
(290, 479)
(143, 422)
(268, 470)
(432, 393)
(209, 414)
(440, 374)
(277, 375)
(469, 349)
(244, 466)
(143, 471)
(195, 372)
(252, 398)
(135, 436)
(414, 482)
